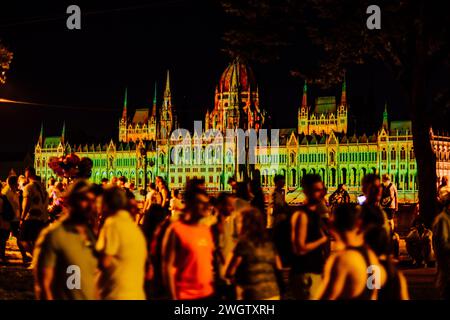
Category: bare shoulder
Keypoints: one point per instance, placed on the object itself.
(351, 259)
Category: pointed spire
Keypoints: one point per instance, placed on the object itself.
(154, 94)
(154, 102)
(344, 92)
(41, 134)
(124, 112)
(167, 118)
(305, 97)
(63, 132)
(234, 77)
(207, 119)
(167, 89)
(385, 118)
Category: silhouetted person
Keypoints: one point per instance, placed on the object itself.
(68, 243)
(308, 240)
(441, 245)
(346, 275)
(34, 213)
(255, 263)
(122, 250)
(189, 251)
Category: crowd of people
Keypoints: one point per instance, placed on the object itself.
(111, 241)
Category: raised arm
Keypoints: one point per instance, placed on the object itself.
(233, 265)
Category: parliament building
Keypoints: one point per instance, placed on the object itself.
(319, 144)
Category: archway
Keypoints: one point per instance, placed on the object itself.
(303, 173)
(333, 177)
(97, 177)
(293, 177)
(344, 175)
(354, 177)
(323, 175)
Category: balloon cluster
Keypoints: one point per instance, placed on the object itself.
(71, 166)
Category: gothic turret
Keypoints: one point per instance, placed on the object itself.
(152, 127)
(63, 133)
(342, 110)
(385, 119)
(123, 121)
(41, 136)
(207, 124)
(303, 112)
(166, 115)
(124, 112)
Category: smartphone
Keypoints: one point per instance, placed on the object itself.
(361, 199)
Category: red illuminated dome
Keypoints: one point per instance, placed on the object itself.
(237, 75)
(236, 100)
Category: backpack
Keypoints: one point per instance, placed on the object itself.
(386, 198)
(7, 210)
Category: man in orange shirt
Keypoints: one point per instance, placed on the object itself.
(188, 250)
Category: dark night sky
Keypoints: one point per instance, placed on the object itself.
(133, 47)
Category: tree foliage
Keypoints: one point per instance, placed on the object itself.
(322, 38)
(5, 61)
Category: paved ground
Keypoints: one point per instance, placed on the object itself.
(16, 280)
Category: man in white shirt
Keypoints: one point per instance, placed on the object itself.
(389, 199)
(122, 249)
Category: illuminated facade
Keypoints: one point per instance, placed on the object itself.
(320, 144)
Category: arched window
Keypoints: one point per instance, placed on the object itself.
(333, 177)
(402, 154)
(354, 177)
(187, 154)
(294, 177)
(384, 154)
(180, 155)
(172, 156)
(344, 175)
(393, 154)
(229, 157)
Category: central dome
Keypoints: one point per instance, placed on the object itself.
(237, 75)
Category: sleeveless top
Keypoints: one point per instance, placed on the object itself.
(367, 293)
(313, 261)
(194, 261)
